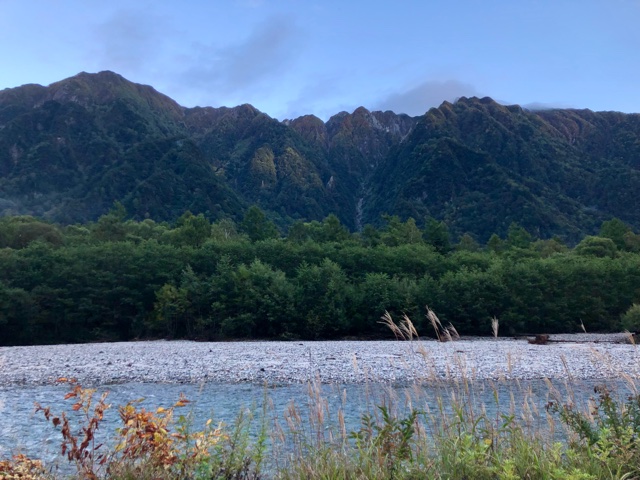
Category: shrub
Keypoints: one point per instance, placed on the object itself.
(630, 320)
(605, 437)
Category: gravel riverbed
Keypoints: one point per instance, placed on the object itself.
(577, 356)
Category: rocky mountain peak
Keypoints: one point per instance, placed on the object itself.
(364, 120)
(311, 128)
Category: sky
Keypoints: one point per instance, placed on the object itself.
(295, 57)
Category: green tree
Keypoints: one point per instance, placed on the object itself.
(191, 230)
(18, 232)
(495, 244)
(546, 248)
(110, 227)
(437, 234)
(333, 230)
(370, 236)
(375, 294)
(322, 296)
(255, 301)
(615, 229)
(469, 299)
(468, 244)
(198, 300)
(145, 230)
(225, 230)
(517, 236)
(596, 247)
(17, 311)
(534, 300)
(631, 242)
(171, 312)
(397, 232)
(256, 225)
(298, 232)
(630, 321)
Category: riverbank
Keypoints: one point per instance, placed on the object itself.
(581, 356)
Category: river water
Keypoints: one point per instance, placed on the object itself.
(23, 430)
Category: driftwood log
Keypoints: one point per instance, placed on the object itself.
(540, 339)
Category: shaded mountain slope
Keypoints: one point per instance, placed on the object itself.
(265, 161)
(479, 166)
(69, 150)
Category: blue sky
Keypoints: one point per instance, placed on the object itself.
(293, 57)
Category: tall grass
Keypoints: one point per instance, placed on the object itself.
(495, 325)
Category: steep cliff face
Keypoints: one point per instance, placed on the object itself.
(354, 144)
(69, 150)
(361, 140)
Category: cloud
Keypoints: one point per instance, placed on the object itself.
(129, 41)
(266, 53)
(431, 93)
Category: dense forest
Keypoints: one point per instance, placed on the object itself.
(121, 279)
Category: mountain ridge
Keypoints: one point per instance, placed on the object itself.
(69, 150)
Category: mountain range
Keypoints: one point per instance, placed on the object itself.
(68, 151)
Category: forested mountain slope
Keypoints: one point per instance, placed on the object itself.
(480, 166)
(70, 150)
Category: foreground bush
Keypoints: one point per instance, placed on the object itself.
(148, 445)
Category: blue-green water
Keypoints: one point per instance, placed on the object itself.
(22, 430)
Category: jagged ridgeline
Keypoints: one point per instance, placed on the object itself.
(70, 150)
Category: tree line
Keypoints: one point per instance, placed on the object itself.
(117, 279)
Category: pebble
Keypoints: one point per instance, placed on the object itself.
(566, 356)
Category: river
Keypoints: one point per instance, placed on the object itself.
(23, 430)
